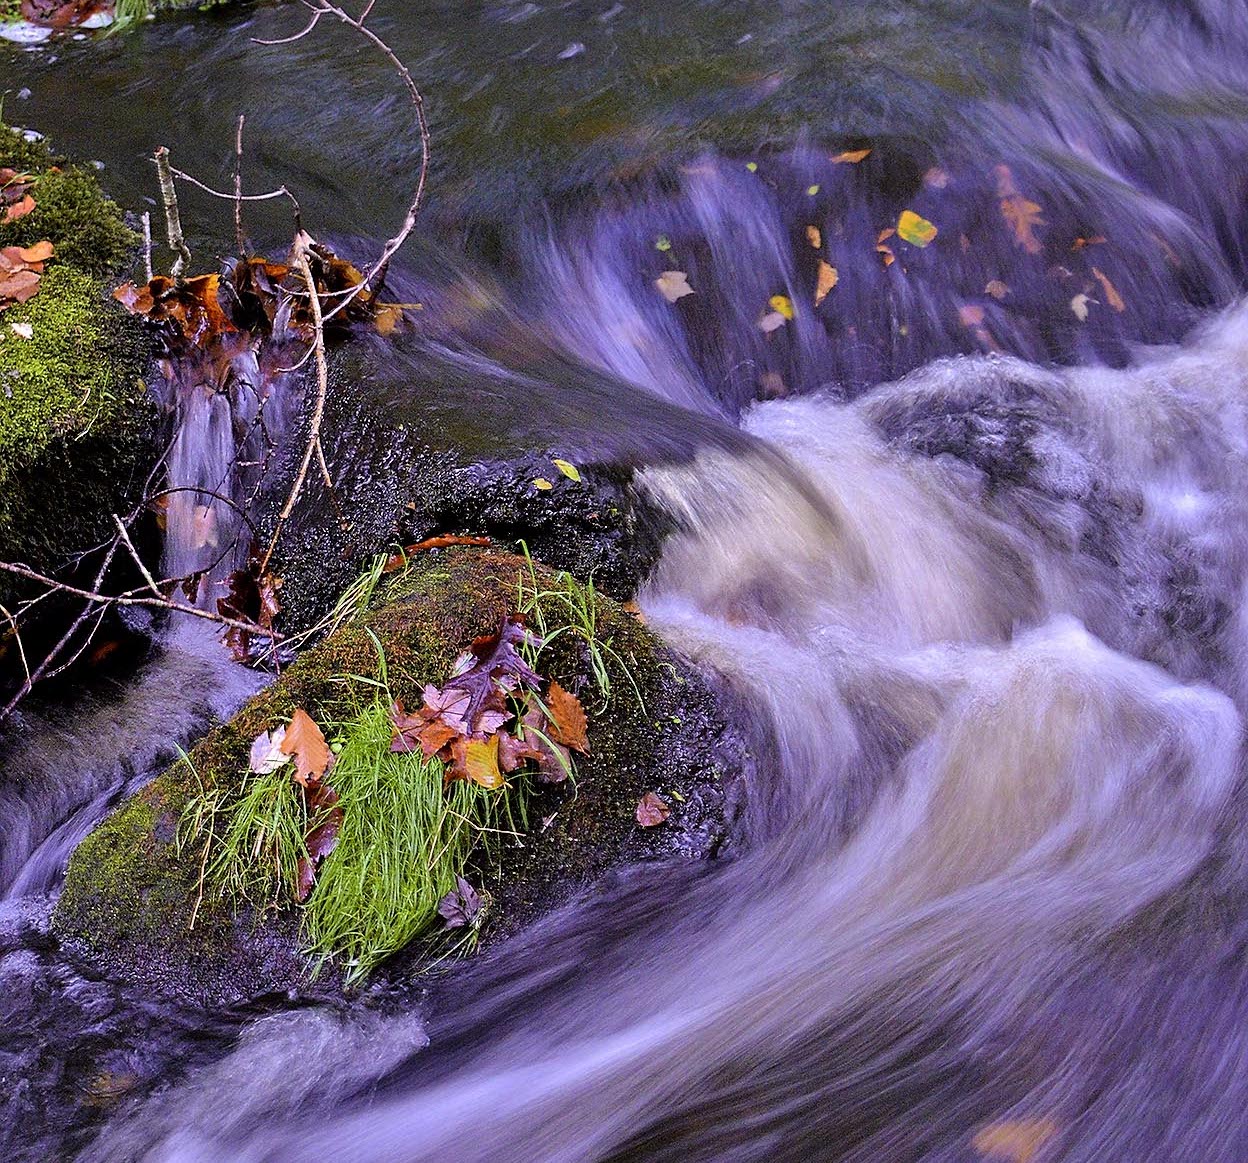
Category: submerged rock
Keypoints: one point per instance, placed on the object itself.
(132, 890)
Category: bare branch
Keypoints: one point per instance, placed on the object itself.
(316, 16)
(238, 188)
(280, 192)
(134, 555)
(173, 224)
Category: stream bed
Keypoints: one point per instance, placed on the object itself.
(968, 528)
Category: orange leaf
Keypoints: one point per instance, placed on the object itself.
(305, 742)
(40, 252)
(828, 278)
(568, 724)
(1023, 217)
(850, 157)
(1112, 297)
(1016, 1140)
(19, 209)
(814, 236)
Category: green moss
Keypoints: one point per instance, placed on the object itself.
(71, 211)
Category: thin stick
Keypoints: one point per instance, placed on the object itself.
(147, 245)
(17, 637)
(134, 554)
(280, 192)
(238, 188)
(173, 224)
(318, 408)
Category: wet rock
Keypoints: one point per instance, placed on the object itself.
(131, 890)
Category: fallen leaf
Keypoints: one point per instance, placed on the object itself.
(476, 760)
(568, 724)
(543, 484)
(305, 743)
(1079, 305)
(652, 810)
(663, 243)
(266, 752)
(915, 230)
(971, 315)
(996, 288)
(387, 318)
(23, 330)
(770, 322)
(752, 167)
(1112, 297)
(827, 279)
(811, 191)
(1080, 243)
(568, 469)
(40, 252)
(1015, 1140)
(673, 285)
(782, 305)
(18, 209)
(850, 157)
(461, 906)
(936, 178)
(814, 236)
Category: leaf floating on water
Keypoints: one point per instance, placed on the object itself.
(305, 742)
(814, 236)
(996, 288)
(1112, 297)
(915, 230)
(673, 285)
(652, 810)
(936, 178)
(770, 322)
(1015, 1140)
(828, 278)
(1022, 215)
(266, 752)
(543, 484)
(811, 191)
(850, 157)
(1080, 243)
(568, 723)
(885, 252)
(782, 305)
(971, 315)
(568, 469)
(752, 167)
(663, 243)
(1079, 305)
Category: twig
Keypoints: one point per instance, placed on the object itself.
(173, 224)
(147, 245)
(318, 408)
(17, 637)
(280, 192)
(134, 554)
(238, 188)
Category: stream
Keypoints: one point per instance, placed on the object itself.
(971, 535)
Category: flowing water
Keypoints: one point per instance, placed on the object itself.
(981, 573)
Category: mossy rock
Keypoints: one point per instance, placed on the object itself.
(78, 431)
(130, 892)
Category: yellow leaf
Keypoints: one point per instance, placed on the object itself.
(782, 305)
(480, 763)
(387, 319)
(662, 243)
(827, 280)
(814, 236)
(752, 167)
(673, 285)
(1015, 1140)
(1111, 292)
(812, 190)
(850, 157)
(915, 230)
(543, 484)
(568, 469)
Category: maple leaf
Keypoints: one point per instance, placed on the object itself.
(568, 724)
(652, 810)
(491, 667)
(461, 906)
(305, 742)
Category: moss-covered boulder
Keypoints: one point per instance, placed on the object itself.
(78, 433)
(132, 889)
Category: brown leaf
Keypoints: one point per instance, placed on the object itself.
(306, 743)
(568, 724)
(652, 810)
(40, 252)
(1112, 297)
(828, 279)
(19, 209)
(1014, 1140)
(19, 286)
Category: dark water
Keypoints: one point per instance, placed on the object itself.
(977, 555)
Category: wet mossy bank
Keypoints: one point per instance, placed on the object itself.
(78, 431)
(131, 889)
